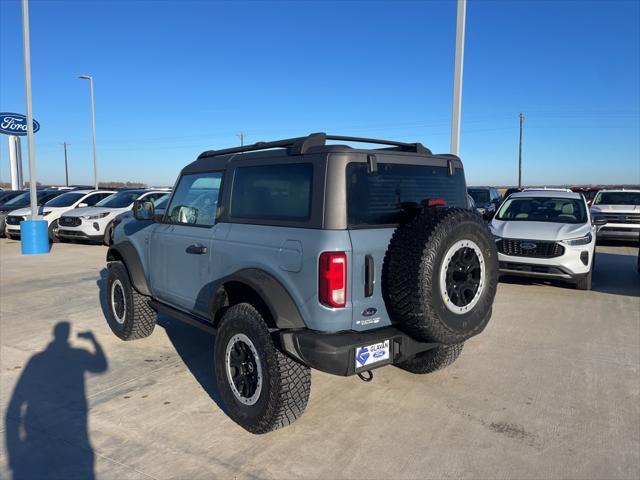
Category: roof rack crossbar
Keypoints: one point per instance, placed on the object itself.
(300, 145)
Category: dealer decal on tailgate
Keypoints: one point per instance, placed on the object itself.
(372, 354)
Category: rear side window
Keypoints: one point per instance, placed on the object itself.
(273, 192)
(375, 199)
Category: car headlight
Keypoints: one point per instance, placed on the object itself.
(96, 216)
(45, 214)
(574, 242)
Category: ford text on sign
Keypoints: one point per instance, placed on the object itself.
(15, 124)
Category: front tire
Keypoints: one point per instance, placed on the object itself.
(108, 235)
(53, 232)
(128, 312)
(262, 388)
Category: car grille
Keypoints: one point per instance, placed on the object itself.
(14, 220)
(69, 221)
(529, 248)
(620, 217)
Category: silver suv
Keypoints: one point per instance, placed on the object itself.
(297, 254)
(621, 209)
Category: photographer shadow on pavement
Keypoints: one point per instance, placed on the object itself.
(46, 424)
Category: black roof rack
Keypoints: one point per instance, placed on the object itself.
(300, 145)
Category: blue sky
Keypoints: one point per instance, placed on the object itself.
(174, 78)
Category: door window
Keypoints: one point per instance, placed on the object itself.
(195, 200)
(91, 200)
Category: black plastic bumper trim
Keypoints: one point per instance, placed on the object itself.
(335, 352)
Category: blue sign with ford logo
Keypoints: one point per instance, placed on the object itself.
(15, 124)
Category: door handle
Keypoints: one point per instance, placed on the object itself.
(369, 276)
(197, 249)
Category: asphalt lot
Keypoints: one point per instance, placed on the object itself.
(550, 390)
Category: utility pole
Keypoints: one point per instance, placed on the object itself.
(66, 166)
(457, 77)
(520, 152)
(241, 135)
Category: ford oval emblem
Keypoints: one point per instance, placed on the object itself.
(15, 124)
(369, 311)
(528, 246)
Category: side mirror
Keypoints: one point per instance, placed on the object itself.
(184, 214)
(599, 221)
(143, 210)
(81, 205)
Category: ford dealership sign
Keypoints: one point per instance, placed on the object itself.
(15, 124)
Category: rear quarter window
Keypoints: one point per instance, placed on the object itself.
(375, 199)
(272, 192)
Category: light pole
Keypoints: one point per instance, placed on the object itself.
(457, 77)
(93, 128)
(66, 166)
(520, 152)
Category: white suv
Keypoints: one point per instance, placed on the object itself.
(96, 223)
(621, 209)
(53, 209)
(548, 234)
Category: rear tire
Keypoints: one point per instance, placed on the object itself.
(128, 312)
(262, 388)
(432, 360)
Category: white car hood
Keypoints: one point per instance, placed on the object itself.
(615, 209)
(81, 212)
(538, 230)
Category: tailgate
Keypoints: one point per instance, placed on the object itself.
(368, 249)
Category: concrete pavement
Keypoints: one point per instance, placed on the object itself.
(550, 390)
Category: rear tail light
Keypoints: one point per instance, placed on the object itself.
(434, 202)
(332, 278)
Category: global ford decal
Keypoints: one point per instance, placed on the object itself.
(15, 124)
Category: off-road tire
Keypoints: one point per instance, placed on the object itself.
(432, 360)
(286, 384)
(53, 238)
(139, 319)
(108, 235)
(411, 283)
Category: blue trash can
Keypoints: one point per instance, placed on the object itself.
(34, 237)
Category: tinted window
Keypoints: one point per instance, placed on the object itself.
(480, 195)
(195, 200)
(541, 209)
(617, 198)
(65, 200)
(6, 196)
(120, 200)
(273, 192)
(376, 199)
(91, 200)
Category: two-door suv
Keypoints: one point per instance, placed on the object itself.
(299, 254)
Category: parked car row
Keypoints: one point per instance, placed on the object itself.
(73, 214)
(552, 232)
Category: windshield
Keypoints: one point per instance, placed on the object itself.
(617, 198)
(378, 199)
(65, 200)
(543, 209)
(479, 195)
(120, 199)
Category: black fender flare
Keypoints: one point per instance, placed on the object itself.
(281, 305)
(125, 252)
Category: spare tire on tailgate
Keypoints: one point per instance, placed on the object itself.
(440, 275)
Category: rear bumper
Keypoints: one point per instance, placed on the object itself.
(335, 353)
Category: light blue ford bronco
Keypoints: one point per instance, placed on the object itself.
(300, 254)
